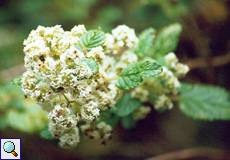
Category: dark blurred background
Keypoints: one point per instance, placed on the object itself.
(205, 35)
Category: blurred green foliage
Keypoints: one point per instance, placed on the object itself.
(18, 18)
(18, 113)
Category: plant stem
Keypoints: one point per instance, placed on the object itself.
(104, 87)
(174, 98)
(65, 97)
(83, 49)
(213, 61)
(110, 79)
(78, 103)
(68, 101)
(60, 97)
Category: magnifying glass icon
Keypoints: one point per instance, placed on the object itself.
(9, 147)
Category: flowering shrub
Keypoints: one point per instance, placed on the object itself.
(88, 81)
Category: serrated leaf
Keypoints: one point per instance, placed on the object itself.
(17, 81)
(127, 105)
(132, 75)
(145, 42)
(46, 134)
(128, 82)
(205, 102)
(92, 39)
(166, 40)
(128, 122)
(92, 65)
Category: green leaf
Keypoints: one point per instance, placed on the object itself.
(127, 105)
(162, 62)
(92, 65)
(3, 123)
(205, 102)
(11, 97)
(79, 47)
(128, 122)
(50, 45)
(145, 42)
(15, 103)
(31, 119)
(17, 81)
(46, 134)
(185, 87)
(131, 76)
(92, 39)
(166, 40)
(40, 80)
(109, 117)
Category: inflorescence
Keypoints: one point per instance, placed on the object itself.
(60, 78)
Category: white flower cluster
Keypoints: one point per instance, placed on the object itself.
(126, 58)
(125, 36)
(163, 102)
(141, 113)
(70, 139)
(63, 125)
(99, 131)
(59, 78)
(179, 68)
(122, 36)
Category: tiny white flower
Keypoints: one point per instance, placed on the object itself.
(70, 139)
(141, 112)
(125, 36)
(163, 102)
